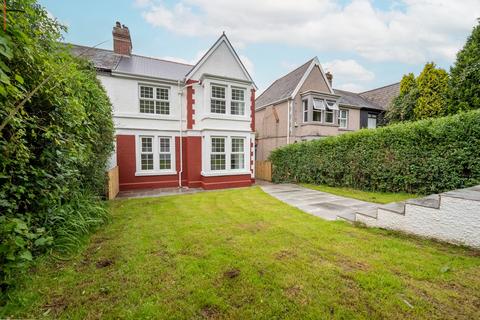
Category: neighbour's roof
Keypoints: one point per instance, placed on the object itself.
(134, 65)
(283, 87)
(382, 96)
(354, 99)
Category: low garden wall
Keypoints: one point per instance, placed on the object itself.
(424, 157)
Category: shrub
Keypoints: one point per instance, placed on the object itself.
(426, 156)
(53, 151)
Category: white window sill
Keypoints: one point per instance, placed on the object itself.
(224, 173)
(146, 116)
(155, 173)
(220, 116)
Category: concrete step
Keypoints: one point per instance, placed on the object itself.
(370, 212)
(431, 201)
(347, 216)
(395, 207)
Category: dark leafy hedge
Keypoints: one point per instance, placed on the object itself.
(423, 157)
(53, 151)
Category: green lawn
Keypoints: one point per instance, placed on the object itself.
(241, 254)
(370, 196)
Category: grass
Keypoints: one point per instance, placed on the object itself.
(370, 196)
(241, 254)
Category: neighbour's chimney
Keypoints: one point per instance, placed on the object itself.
(122, 43)
(329, 77)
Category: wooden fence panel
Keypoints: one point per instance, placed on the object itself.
(263, 170)
(113, 186)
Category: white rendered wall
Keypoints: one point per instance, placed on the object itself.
(456, 221)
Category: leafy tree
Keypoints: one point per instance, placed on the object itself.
(403, 104)
(464, 90)
(432, 84)
(54, 149)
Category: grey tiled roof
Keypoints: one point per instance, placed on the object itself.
(152, 67)
(133, 65)
(101, 58)
(354, 99)
(282, 87)
(382, 96)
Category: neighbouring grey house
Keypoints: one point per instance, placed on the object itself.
(303, 105)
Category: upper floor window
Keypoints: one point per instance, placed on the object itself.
(318, 107)
(154, 100)
(226, 99)
(238, 102)
(372, 121)
(305, 110)
(343, 118)
(218, 99)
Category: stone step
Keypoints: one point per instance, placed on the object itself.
(347, 216)
(395, 207)
(371, 212)
(431, 201)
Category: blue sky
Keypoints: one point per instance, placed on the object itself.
(364, 43)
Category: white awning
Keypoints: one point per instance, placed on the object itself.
(318, 104)
(332, 105)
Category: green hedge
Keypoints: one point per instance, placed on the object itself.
(422, 157)
(54, 150)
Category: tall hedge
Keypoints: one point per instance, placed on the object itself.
(426, 156)
(53, 151)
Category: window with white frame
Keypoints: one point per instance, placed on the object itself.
(330, 111)
(318, 108)
(305, 110)
(237, 158)
(154, 100)
(237, 104)
(155, 154)
(372, 121)
(146, 153)
(343, 118)
(218, 99)
(218, 156)
(165, 153)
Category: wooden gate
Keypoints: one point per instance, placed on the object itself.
(263, 170)
(112, 186)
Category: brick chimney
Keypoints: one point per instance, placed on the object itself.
(329, 77)
(122, 43)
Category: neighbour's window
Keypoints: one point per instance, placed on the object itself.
(217, 102)
(146, 152)
(218, 155)
(164, 154)
(237, 160)
(372, 121)
(343, 118)
(328, 116)
(238, 102)
(305, 110)
(318, 107)
(154, 100)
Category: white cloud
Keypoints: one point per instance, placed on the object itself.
(348, 74)
(409, 31)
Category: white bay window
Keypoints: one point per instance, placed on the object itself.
(228, 100)
(227, 153)
(218, 100)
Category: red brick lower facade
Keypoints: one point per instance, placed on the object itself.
(191, 169)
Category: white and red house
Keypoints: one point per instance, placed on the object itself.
(178, 124)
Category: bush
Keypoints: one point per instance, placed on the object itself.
(53, 151)
(427, 156)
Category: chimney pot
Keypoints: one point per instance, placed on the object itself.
(329, 77)
(122, 43)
